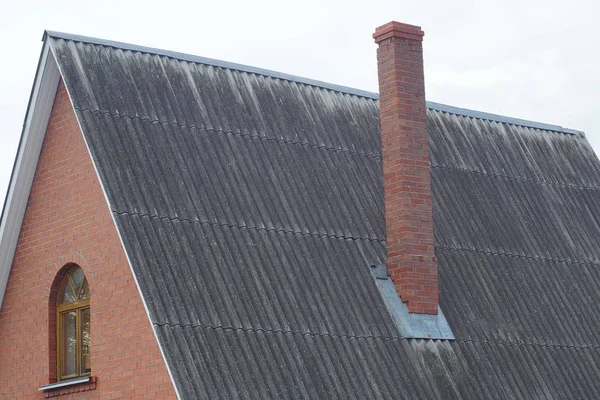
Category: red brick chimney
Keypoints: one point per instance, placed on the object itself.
(411, 260)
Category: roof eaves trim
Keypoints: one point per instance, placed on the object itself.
(30, 145)
(213, 62)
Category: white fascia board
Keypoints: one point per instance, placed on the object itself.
(30, 145)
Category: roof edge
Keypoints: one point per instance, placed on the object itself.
(307, 81)
(501, 118)
(117, 228)
(37, 115)
(213, 62)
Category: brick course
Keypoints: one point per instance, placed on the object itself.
(405, 147)
(67, 220)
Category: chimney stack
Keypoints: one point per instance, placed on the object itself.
(411, 259)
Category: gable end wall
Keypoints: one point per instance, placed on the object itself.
(67, 220)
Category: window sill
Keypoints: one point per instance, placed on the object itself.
(69, 386)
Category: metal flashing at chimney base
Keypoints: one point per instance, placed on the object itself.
(411, 325)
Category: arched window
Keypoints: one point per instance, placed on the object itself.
(73, 325)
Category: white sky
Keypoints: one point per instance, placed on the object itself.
(536, 60)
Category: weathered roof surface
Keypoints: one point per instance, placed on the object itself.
(251, 207)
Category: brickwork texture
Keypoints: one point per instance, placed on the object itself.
(405, 147)
(67, 220)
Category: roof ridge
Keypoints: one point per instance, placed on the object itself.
(213, 62)
(501, 118)
(307, 81)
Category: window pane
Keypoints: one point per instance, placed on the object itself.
(76, 278)
(69, 343)
(86, 340)
(84, 293)
(73, 286)
(66, 292)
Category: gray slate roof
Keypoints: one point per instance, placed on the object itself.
(251, 206)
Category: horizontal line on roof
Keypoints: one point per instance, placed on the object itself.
(517, 178)
(520, 256)
(249, 227)
(374, 337)
(529, 344)
(242, 134)
(306, 81)
(275, 330)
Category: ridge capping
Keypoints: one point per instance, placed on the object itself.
(307, 81)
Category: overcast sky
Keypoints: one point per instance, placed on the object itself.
(536, 60)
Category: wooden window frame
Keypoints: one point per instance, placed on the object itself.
(61, 309)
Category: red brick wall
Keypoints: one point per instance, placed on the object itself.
(406, 174)
(67, 220)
